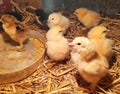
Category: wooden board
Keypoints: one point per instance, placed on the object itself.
(16, 65)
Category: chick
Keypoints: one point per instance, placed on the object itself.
(87, 17)
(16, 30)
(57, 44)
(57, 19)
(103, 44)
(90, 65)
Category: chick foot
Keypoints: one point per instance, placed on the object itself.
(18, 48)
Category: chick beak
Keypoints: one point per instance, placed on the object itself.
(71, 45)
(48, 21)
(74, 13)
(107, 32)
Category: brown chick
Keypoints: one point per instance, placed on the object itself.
(103, 44)
(91, 65)
(87, 17)
(16, 30)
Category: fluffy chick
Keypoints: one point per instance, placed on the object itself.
(57, 45)
(91, 65)
(87, 17)
(103, 44)
(57, 19)
(16, 30)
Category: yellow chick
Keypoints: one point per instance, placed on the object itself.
(90, 65)
(57, 19)
(103, 45)
(57, 44)
(87, 17)
(16, 30)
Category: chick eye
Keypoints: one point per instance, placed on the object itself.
(52, 18)
(60, 31)
(76, 13)
(104, 31)
(78, 43)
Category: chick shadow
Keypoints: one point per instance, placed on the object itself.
(1, 28)
(105, 83)
(81, 82)
(112, 60)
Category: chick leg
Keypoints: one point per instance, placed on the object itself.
(17, 48)
(20, 48)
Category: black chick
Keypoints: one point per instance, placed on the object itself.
(41, 15)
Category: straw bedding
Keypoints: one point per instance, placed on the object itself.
(55, 81)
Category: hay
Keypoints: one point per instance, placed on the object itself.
(43, 82)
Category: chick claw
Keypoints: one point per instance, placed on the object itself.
(18, 48)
